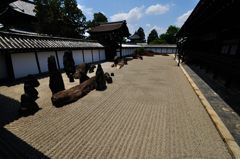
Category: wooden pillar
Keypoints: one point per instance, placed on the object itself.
(57, 59)
(99, 57)
(83, 55)
(92, 55)
(38, 65)
(121, 49)
(9, 66)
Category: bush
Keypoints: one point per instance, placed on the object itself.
(140, 51)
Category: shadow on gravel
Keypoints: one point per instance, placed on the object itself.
(13, 147)
(229, 95)
(8, 110)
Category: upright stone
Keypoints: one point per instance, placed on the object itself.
(55, 81)
(100, 79)
(69, 65)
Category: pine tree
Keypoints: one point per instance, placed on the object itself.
(141, 34)
(152, 36)
(97, 19)
(60, 18)
(74, 19)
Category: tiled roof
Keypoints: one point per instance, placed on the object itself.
(107, 27)
(13, 41)
(161, 46)
(23, 7)
(134, 37)
(130, 45)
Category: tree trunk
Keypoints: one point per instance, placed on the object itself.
(73, 94)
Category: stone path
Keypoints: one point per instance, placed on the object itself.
(150, 111)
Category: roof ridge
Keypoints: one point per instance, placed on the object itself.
(5, 33)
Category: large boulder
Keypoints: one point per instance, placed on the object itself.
(81, 68)
(31, 91)
(100, 79)
(69, 65)
(28, 105)
(91, 69)
(108, 78)
(73, 94)
(29, 86)
(55, 78)
(31, 80)
(83, 77)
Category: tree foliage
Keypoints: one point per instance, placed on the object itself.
(141, 34)
(60, 18)
(74, 19)
(152, 36)
(167, 38)
(97, 19)
(170, 36)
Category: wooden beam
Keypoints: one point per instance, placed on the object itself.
(37, 60)
(57, 60)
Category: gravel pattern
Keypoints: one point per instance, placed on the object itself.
(150, 111)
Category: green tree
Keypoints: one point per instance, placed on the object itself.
(152, 36)
(141, 34)
(170, 36)
(74, 19)
(49, 16)
(97, 19)
(60, 18)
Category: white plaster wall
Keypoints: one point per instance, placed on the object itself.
(95, 55)
(125, 52)
(60, 58)
(43, 59)
(77, 56)
(164, 50)
(88, 56)
(102, 55)
(24, 64)
(118, 54)
(130, 51)
(3, 67)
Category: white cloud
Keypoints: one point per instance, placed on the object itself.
(132, 16)
(148, 25)
(132, 28)
(181, 19)
(88, 12)
(159, 30)
(157, 9)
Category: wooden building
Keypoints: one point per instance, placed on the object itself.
(110, 35)
(22, 54)
(18, 14)
(211, 38)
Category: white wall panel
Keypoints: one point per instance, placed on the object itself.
(118, 54)
(88, 56)
(24, 64)
(77, 56)
(102, 55)
(164, 50)
(95, 55)
(3, 67)
(43, 59)
(60, 58)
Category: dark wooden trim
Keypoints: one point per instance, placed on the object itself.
(37, 60)
(121, 49)
(9, 64)
(83, 55)
(57, 59)
(99, 56)
(92, 55)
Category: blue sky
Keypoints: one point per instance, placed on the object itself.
(148, 14)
